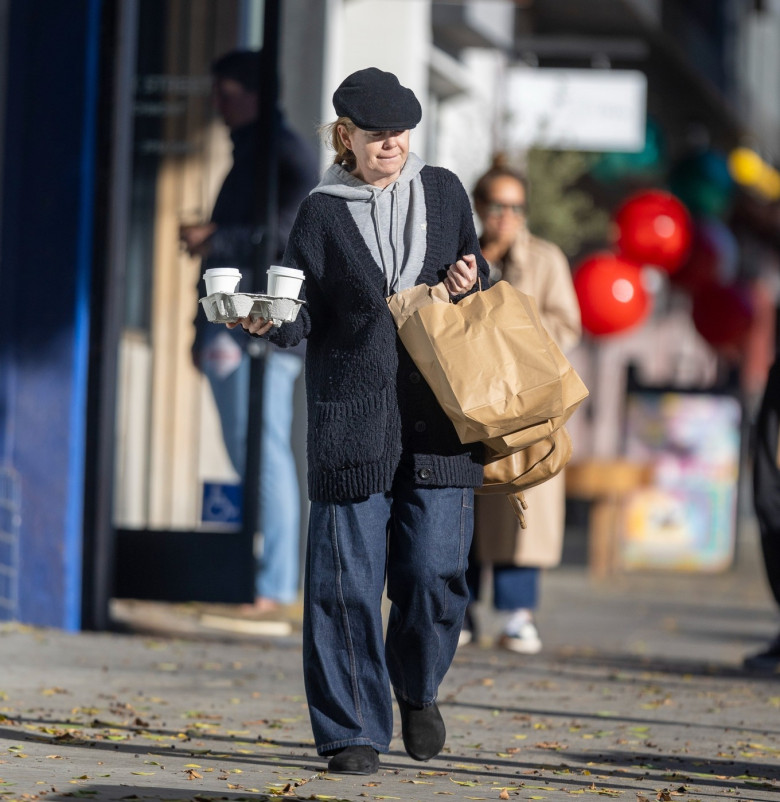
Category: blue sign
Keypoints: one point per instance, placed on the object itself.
(221, 503)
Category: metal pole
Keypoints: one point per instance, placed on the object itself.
(266, 219)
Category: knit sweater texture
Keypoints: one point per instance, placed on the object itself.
(371, 414)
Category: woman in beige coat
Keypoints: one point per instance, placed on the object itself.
(540, 269)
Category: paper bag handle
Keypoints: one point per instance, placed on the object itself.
(519, 505)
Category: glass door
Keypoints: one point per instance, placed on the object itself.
(175, 505)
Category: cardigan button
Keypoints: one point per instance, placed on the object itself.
(425, 473)
(420, 426)
(414, 377)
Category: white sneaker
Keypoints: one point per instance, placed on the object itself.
(468, 632)
(465, 637)
(523, 639)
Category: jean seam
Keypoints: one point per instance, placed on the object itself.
(461, 550)
(461, 546)
(345, 619)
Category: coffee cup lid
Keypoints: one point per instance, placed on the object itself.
(281, 270)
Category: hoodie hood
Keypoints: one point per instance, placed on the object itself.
(391, 219)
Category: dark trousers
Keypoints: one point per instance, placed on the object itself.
(766, 478)
(418, 540)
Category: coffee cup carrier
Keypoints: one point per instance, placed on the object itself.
(228, 307)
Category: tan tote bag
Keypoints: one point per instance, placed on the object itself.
(511, 474)
(526, 467)
(493, 368)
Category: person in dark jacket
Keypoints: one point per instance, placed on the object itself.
(766, 499)
(391, 486)
(231, 239)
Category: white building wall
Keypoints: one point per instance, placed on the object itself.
(301, 64)
(470, 125)
(759, 78)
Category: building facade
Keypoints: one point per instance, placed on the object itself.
(108, 435)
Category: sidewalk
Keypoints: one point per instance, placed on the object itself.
(638, 695)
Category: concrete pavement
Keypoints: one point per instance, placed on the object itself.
(638, 695)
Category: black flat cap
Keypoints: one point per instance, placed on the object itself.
(375, 101)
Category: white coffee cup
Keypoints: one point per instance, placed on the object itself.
(221, 279)
(284, 282)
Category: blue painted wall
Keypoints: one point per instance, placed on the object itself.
(45, 267)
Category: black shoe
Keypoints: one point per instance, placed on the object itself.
(354, 760)
(766, 660)
(422, 729)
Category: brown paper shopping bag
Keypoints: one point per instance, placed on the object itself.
(499, 376)
(491, 365)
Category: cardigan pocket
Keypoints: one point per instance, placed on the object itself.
(346, 434)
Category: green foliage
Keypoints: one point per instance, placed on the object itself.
(559, 210)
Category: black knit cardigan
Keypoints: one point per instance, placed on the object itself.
(370, 413)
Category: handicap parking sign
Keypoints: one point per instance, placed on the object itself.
(221, 503)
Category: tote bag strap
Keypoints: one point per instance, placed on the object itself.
(519, 505)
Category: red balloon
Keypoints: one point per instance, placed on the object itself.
(700, 269)
(722, 314)
(611, 295)
(713, 258)
(654, 228)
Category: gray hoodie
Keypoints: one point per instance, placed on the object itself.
(392, 220)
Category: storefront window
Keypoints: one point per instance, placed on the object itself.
(169, 444)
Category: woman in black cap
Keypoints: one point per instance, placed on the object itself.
(391, 485)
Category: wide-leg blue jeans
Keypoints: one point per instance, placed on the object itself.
(418, 538)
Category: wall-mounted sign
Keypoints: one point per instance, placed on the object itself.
(591, 110)
(686, 519)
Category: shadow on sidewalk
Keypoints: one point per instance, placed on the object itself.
(605, 664)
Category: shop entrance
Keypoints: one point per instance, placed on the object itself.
(176, 499)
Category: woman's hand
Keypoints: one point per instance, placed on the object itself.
(461, 276)
(253, 325)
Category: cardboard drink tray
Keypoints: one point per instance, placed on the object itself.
(228, 307)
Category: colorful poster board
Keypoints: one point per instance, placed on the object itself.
(686, 519)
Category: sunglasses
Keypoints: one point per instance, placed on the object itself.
(495, 208)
